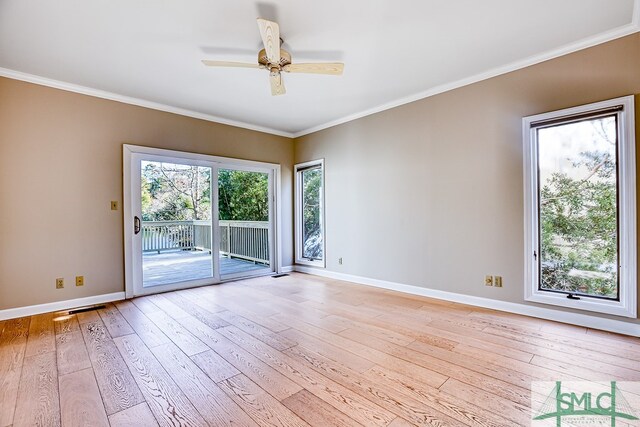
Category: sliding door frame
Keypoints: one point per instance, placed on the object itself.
(129, 166)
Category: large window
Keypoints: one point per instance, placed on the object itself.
(580, 207)
(310, 213)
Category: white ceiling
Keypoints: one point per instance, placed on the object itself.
(148, 52)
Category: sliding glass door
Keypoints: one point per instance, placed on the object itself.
(175, 225)
(192, 220)
(244, 214)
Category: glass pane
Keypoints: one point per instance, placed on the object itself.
(244, 222)
(312, 214)
(578, 207)
(176, 223)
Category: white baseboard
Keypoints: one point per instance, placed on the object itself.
(30, 310)
(287, 269)
(584, 320)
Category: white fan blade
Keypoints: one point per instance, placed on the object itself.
(335, 68)
(209, 63)
(277, 85)
(270, 33)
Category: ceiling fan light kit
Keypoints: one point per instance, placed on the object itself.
(277, 60)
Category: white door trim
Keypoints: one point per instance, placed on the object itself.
(129, 152)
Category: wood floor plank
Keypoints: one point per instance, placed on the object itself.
(202, 299)
(208, 318)
(80, 401)
(404, 397)
(430, 333)
(519, 414)
(42, 337)
(500, 372)
(87, 317)
(38, 401)
(383, 334)
(167, 306)
(215, 366)
(65, 323)
(362, 410)
(448, 404)
(599, 372)
(400, 422)
(406, 359)
(145, 305)
(13, 342)
(260, 332)
(319, 341)
(142, 325)
(315, 411)
(340, 309)
(612, 338)
(136, 416)
(180, 336)
(285, 306)
(211, 402)
(113, 320)
(71, 353)
(560, 348)
(266, 377)
(333, 324)
(167, 402)
(261, 406)
(344, 357)
(295, 350)
(119, 390)
(231, 303)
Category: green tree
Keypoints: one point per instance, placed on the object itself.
(243, 196)
(578, 220)
(175, 192)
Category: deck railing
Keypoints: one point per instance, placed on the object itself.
(238, 239)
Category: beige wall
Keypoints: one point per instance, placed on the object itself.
(427, 194)
(431, 193)
(61, 165)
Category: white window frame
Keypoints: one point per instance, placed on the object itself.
(298, 169)
(626, 306)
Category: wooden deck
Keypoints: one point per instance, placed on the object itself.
(293, 351)
(180, 266)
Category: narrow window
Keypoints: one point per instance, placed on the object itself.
(310, 246)
(580, 197)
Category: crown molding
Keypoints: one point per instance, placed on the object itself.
(617, 33)
(84, 90)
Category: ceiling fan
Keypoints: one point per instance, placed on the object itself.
(277, 60)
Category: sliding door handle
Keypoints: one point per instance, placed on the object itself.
(136, 225)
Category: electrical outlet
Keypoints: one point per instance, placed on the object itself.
(59, 283)
(498, 282)
(79, 280)
(114, 205)
(488, 280)
(340, 260)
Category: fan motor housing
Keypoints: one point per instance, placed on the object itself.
(285, 59)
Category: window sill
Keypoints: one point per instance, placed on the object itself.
(318, 263)
(614, 308)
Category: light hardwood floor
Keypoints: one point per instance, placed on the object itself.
(292, 351)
